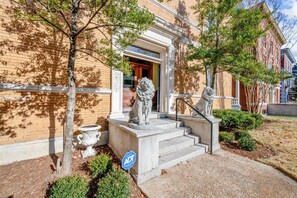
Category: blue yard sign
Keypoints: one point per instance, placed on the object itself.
(129, 160)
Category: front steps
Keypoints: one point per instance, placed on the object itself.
(176, 143)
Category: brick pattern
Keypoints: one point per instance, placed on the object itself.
(38, 56)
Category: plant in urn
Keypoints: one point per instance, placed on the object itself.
(89, 136)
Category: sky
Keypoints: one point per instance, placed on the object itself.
(289, 8)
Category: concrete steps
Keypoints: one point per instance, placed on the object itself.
(176, 143)
(173, 133)
(172, 159)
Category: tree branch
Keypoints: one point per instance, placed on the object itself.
(92, 17)
(42, 17)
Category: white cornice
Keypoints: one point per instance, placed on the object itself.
(175, 13)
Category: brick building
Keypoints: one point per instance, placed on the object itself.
(268, 51)
(33, 83)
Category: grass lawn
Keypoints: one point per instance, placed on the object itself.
(281, 134)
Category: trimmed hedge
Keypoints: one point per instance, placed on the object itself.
(100, 165)
(242, 134)
(226, 136)
(247, 144)
(232, 120)
(70, 187)
(115, 184)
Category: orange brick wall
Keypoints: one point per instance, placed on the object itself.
(38, 56)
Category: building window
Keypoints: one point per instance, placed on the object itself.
(263, 39)
(271, 48)
(143, 51)
(270, 66)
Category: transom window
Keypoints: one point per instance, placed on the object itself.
(140, 50)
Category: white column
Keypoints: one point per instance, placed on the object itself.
(170, 79)
(238, 91)
(117, 95)
(273, 93)
(236, 105)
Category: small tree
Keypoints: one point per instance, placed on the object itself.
(257, 80)
(107, 26)
(227, 33)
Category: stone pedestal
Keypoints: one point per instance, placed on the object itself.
(202, 128)
(143, 142)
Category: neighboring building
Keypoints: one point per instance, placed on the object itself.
(292, 95)
(267, 51)
(287, 61)
(33, 79)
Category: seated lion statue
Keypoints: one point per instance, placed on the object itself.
(204, 105)
(142, 106)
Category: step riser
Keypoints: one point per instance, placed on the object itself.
(170, 125)
(175, 147)
(174, 134)
(182, 159)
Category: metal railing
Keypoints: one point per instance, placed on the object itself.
(193, 108)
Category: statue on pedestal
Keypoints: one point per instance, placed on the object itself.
(204, 105)
(142, 107)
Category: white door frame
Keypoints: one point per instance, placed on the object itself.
(159, 41)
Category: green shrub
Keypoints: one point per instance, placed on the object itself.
(258, 119)
(115, 184)
(100, 165)
(70, 187)
(246, 121)
(247, 144)
(232, 119)
(242, 134)
(226, 136)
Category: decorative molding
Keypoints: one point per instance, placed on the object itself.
(175, 13)
(199, 96)
(55, 89)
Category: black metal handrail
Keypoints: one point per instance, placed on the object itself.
(193, 108)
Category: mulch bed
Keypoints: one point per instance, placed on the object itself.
(262, 151)
(31, 178)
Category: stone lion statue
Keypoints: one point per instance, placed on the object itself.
(204, 105)
(142, 106)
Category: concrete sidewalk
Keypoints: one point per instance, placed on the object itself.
(221, 175)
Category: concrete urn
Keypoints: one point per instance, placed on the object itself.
(89, 136)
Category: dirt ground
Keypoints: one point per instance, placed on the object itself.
(31, 178)
(222, 174)
(280, 133)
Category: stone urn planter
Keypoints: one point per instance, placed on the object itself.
(89, 136)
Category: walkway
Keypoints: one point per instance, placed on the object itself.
(221, 175)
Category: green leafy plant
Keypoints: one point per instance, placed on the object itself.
(70, 187)
(247, 144)
(232, 120)
(114, 184)
(226, 136)
(100, 165)
(258, 119)
(242, 134)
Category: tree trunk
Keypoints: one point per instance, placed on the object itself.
(66, 168)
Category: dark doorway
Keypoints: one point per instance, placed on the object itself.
(141, 68)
